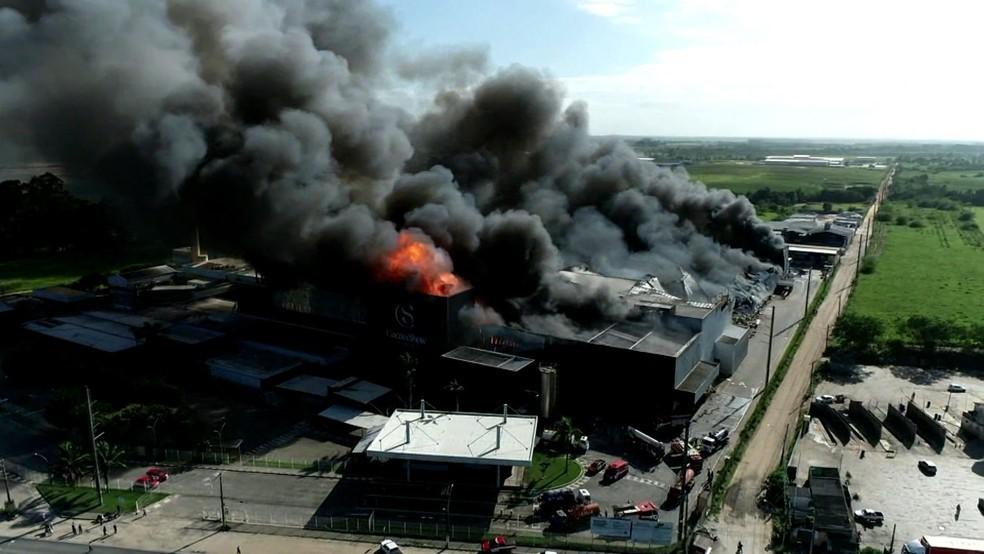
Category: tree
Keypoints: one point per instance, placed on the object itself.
(456, 389)
(409, 363)
(111, 457)
(858, 332)
(926, 332)
(567, 433)
(72, 462)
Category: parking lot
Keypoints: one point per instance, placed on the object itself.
(891, 482)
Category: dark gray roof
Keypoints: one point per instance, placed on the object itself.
(488, 358)
(654, 339)
(698, 377)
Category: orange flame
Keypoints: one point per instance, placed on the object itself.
(422, 265)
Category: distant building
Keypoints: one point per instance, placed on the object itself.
(804, 160)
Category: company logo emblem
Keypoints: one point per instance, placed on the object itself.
(403, 314)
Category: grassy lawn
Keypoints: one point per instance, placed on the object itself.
(746, 177)
(33, 273)
(935, 270)
(550, 471)
(68, 500)
(967, 179)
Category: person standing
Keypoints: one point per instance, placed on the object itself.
(104, 531)
(114, 528)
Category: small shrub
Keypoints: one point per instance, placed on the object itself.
(916, 224)
(966, 215)
(868, 266)
(901, 220)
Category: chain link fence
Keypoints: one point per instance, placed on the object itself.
(203, 457)
(432, 530)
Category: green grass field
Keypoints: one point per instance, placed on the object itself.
(745, 177)
(550, 471)
(69, 501)
(33, 273)
(936, 270)
(969, 179)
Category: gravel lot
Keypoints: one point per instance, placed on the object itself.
(916, 503)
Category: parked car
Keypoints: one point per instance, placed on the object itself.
(824, 399)
(146, 482)
(596, 466)
(955, 387)
(927, 467)
(497, 544)
(585, 495)
(158, 474)
(865, 516)
(387, 546)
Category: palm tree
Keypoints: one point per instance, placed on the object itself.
(409, 362)
(72, 462)
(567, 432)
(111, 457)
(456, 389)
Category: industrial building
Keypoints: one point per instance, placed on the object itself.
(820, 514)
(816, 241)
(804, 160)
(660, 362)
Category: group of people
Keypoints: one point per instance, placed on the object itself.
(78, 529)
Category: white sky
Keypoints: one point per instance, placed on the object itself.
(837, 68)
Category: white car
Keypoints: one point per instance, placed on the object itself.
(954, 387)
(389, 547)
(824, 399)
(585, 494)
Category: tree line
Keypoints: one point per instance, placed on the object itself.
(40, 216)
(867, 337)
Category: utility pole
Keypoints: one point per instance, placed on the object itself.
(92, 436)
(891, 546)
(682, 532)
(447, 518)
(6, 485)
(772, 333)
(806, 305)
(222, 503)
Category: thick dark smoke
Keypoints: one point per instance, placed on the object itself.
(268, 123)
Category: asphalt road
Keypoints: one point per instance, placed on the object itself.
(30, 546)
(740, 520)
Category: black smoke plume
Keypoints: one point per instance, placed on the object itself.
(271, 123)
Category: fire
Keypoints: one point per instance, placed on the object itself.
(422, 265)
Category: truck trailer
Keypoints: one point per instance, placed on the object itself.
(943, 545)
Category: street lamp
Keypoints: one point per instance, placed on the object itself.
(153, 429)
(447, 521)
(47, 464)
(219, 433)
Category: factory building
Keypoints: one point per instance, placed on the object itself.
(816, 241)
(804, 160)
(660, 363)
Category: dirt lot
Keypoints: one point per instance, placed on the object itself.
(916, 503)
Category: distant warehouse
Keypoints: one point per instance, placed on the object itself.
(804, 160)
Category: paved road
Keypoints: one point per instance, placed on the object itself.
(31, 546)
(740, 519)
